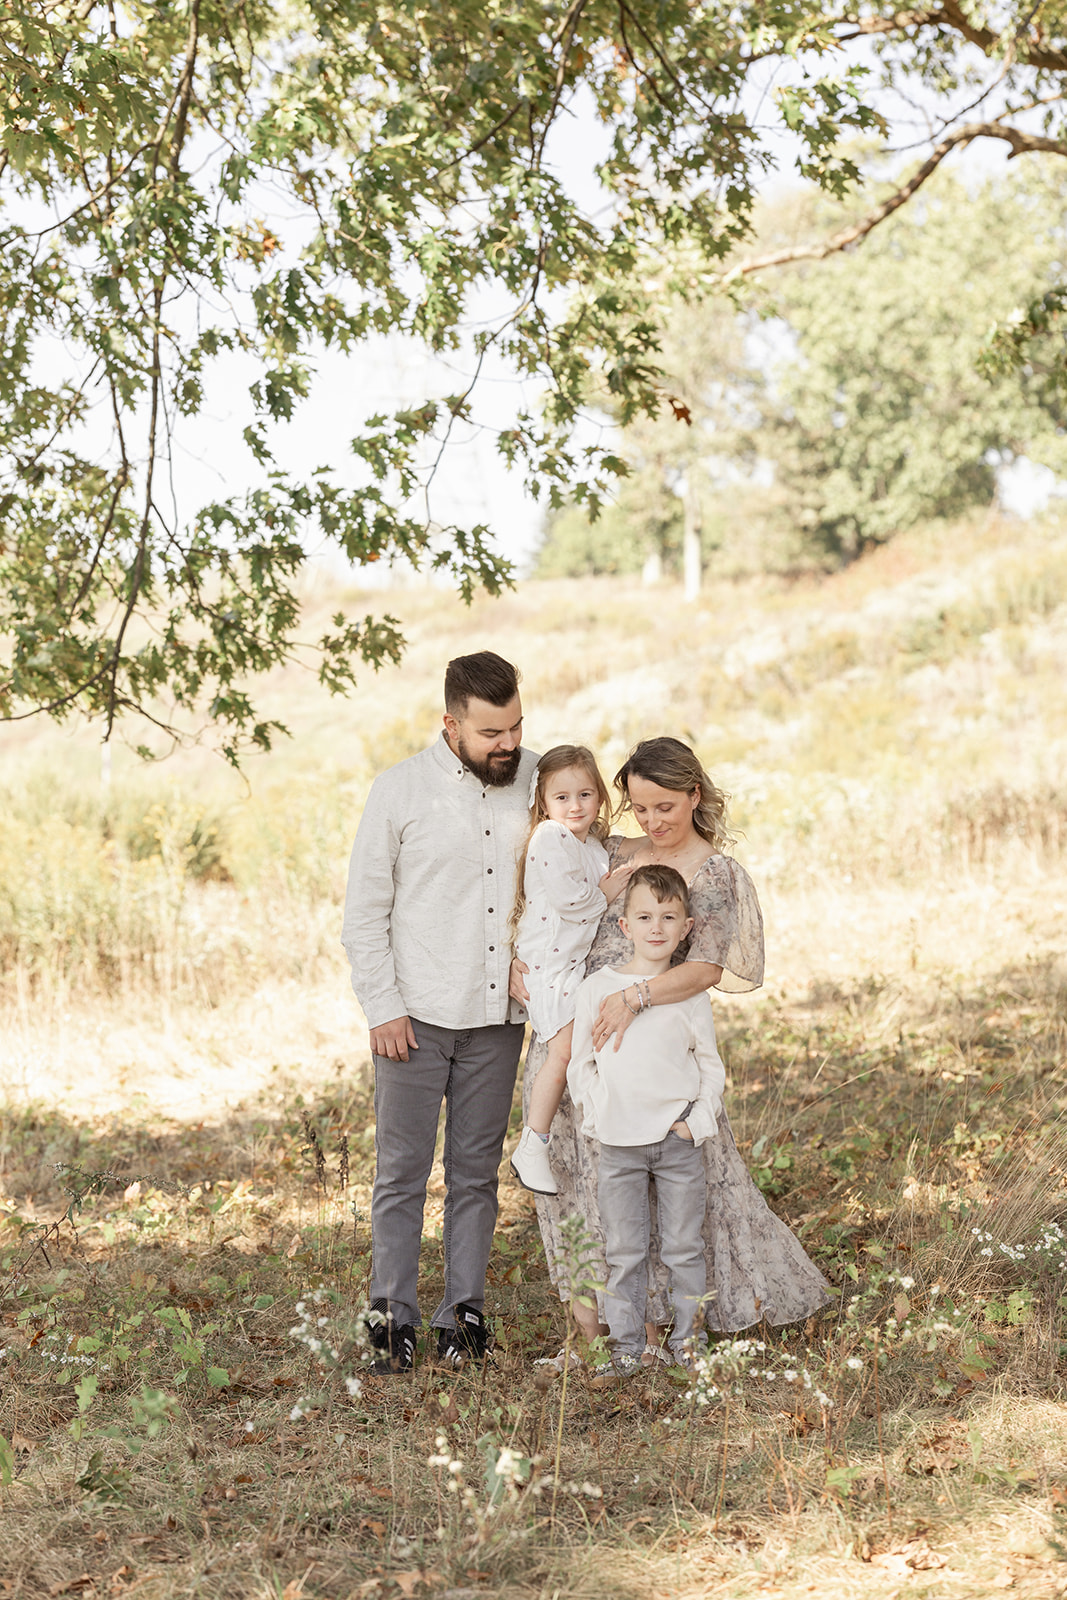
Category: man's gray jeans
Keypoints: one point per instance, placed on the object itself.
(681, 1196)
(473, 1072)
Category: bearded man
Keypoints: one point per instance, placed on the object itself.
(430, 888)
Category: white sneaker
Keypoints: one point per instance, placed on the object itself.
(530, 1164)
(558, 1362)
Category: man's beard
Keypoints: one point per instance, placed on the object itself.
(497, 771)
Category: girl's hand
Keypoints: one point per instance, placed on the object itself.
(614, 1017)
(682, 1130)
(613, 883)
(516, 988)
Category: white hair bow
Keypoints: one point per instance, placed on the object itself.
(532, 798)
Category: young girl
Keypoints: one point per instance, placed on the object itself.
(563, 888)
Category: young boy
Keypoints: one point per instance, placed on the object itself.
(651, 1104)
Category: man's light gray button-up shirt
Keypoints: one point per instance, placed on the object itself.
(430, 888)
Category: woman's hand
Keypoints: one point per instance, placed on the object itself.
(516, 988)
(614, 1017)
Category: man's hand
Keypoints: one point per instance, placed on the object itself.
(516, 988)
(393, 1039)
(682, 1130)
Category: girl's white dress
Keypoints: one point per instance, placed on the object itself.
(564, 904)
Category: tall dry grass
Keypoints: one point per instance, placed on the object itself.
(904, 722)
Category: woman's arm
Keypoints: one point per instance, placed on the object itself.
(680, 983)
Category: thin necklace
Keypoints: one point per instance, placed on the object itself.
(665, 858)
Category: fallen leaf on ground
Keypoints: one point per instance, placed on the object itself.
(914, 1556)
(893, 1563)
(408, 1582)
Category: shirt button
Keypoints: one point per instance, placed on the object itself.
(492, 986)
(492, 947)
(490, 911)
(487, 833)
(489, 870)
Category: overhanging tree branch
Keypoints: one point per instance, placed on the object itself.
(1021, 144)
(1026, 50)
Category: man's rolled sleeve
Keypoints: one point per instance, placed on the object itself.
(369, 897)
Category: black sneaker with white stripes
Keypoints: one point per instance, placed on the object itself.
(393, 1341)
(469, 1340)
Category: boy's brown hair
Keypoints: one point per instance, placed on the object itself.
(665, 883)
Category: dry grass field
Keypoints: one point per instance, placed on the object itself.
(179, 1047)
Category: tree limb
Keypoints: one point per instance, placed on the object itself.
(950, 14)
(1021, 144)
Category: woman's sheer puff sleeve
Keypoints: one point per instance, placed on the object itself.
(727, 924)
(703, 1120)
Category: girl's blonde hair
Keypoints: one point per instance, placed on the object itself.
(558, 759)
(672, 765)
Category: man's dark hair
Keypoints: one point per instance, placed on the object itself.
(483, 676)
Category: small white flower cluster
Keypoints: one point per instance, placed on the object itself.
(1048, 1250)
(67, 1358)
(455, 1482)
(721, 1371)
(453, 1465)
(310, 1331)
(513, 1469)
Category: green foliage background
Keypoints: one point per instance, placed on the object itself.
(847, 399)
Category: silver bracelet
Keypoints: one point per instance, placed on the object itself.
(648, 995)
(627, 1004)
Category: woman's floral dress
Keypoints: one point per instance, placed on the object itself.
(757, 1271)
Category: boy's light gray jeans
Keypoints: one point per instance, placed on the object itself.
(473, 1072)
(681, 1196)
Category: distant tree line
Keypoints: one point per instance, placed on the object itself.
(851, 398)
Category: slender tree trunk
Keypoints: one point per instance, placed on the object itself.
(691, 549)
(652, 571)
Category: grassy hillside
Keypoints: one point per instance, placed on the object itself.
(176, 1028)
(893, 739)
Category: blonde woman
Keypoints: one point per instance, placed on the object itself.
(757, 1271)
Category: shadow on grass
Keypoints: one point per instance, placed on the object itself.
(163, 1428)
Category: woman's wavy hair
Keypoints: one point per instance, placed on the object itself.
(558, 759)
(672, 765)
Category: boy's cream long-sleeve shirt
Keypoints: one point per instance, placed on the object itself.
(667, 1058)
